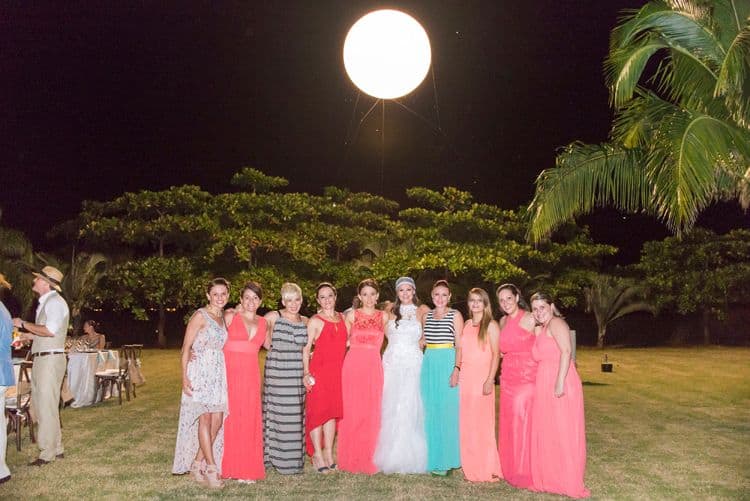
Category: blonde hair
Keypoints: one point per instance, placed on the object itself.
(289, 289)
(486, 314)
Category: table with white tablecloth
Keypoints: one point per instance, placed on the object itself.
(82, 369)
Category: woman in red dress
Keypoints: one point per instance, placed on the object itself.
(558, 429)
(243, 428)
(516, 386)
(326, 331)
(362, 383)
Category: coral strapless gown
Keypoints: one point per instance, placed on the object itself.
(479, 458)
(243, 428)
(516, 397)
(558, 430)
(362, 390)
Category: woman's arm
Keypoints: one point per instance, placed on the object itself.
(493, 331)
(102, 342)
(271, 318)
(560, 331)
(191, 331)
(314, 327)
(458, 328)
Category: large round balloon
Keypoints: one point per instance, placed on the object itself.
(387, 54)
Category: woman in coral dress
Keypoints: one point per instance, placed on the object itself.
(362, 383)
(327, 333)
(516, 386)
(478, 365)
(243, 428)
(558, 430)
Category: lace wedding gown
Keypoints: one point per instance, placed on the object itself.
(401, 444)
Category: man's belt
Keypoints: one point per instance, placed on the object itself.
(45, 353)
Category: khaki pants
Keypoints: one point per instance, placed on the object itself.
(46, 379)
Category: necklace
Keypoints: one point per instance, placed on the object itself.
(213, 312)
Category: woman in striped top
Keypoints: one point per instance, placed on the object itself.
(439, 380)
(284, 392)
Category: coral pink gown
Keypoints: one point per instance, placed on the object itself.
(362, 390)
(479, 457)
(323, 402)
(558, 430)
(243, 428)
(516, 397)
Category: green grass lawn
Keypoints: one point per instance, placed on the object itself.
(666, 424)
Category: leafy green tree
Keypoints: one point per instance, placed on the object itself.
(609, 298)
(257, 181)
(154, 284)
(172, 223)
(703, 272)
(680, 139)
(478, 244)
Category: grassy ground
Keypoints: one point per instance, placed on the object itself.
(666, 424)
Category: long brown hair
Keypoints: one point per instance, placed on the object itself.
(486, 314)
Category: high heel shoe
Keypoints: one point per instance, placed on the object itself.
(196, 471)
(212, 477)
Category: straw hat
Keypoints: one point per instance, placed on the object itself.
(4, 282)
(51, 275)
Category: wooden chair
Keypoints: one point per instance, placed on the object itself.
(112, 378)
(133, 354)
(18, 410)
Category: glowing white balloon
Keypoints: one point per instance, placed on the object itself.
(387, 54)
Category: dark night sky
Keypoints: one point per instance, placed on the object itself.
(98, 100)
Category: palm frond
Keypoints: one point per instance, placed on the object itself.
(635, 124)
(586, 176)
(733, 82)
(684, 161)
(624, 67)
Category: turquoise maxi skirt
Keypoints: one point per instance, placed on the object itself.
(440, 409)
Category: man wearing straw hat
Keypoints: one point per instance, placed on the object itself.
(47, 335)
(7, 378)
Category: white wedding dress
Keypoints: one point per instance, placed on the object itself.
(402, 447)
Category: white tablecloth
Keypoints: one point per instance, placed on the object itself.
(82, 369)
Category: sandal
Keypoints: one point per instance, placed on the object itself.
(196, 471)
(332, 466)
(321, 469)
(212, 477)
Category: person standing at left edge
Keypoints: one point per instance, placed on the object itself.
(7, 378)
(47, 335)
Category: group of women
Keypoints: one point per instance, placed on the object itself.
(426, 405)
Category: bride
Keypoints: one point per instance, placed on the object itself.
(401, 444)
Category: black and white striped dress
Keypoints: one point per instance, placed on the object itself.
(284, 398)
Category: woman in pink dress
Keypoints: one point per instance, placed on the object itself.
(326, 331)
(558, 430)
(243, 428)
(362, 383)
(476, 387)
(516, 386)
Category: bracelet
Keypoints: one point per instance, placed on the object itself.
(457, 367)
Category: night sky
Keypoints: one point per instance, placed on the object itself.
(100, 99)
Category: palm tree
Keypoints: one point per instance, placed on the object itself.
(678, 73)
(16, 258)
(610, 298)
